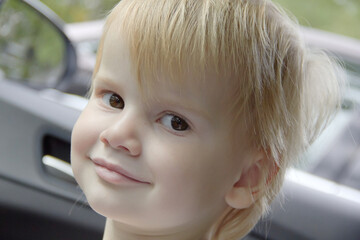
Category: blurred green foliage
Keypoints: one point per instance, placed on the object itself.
(81, 10)
(340, 16)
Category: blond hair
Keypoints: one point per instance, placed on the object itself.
(287, 92)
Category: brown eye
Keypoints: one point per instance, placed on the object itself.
(174, 122)
(179, 124)
(114, 100)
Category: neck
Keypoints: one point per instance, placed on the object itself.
(117, 231)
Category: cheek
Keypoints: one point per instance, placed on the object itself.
(192, 177)
(84, 136)
(85, 133)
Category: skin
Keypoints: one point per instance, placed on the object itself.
(184, 179)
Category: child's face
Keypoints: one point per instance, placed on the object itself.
(174, 147)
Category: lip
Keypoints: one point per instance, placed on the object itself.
(114, 174)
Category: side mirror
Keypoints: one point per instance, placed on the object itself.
(33, 47)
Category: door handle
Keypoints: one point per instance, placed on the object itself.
(58, 168)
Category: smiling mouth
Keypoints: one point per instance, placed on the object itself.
(114, 174)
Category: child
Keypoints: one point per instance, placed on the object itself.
(197, 109)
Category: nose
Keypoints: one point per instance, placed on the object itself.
(122, 135)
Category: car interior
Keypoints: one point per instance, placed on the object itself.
(39, 198)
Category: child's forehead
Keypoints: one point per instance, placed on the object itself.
(155, 73)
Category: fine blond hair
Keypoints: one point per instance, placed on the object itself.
(287, 92)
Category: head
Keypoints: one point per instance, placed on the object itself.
(206, 104)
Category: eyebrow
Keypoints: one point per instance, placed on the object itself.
(107, 81)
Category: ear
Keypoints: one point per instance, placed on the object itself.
(244, 191)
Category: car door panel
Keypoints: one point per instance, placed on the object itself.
(32, 126)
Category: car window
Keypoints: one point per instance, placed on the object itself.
(32, 50)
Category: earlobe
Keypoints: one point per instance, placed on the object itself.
(239, 198)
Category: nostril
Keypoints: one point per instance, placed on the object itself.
(104, 140)
(123, 148)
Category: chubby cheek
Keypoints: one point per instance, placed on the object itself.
(84, 135)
